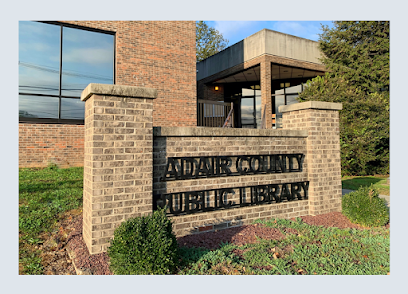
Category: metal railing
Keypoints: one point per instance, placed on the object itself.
(214, 114)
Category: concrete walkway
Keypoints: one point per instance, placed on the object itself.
(387, 198)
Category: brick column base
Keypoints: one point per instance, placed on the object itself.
(321, 120)
(118, 161)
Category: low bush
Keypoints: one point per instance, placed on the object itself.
(144, 245)
(364, 207)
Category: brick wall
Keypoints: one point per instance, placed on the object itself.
(41, 144)
(207, 92)
(195, 142)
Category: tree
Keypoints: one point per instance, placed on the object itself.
(356, 55)
(359, 51)
(209, 41)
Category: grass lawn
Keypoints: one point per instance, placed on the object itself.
(306, 250)
(46, 196)
(49, 195)
(353, 183)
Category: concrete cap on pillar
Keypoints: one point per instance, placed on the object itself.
(311, 105)
(118, 90)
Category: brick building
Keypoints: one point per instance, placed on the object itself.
(57, 60)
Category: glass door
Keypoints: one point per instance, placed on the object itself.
(247, 104)
(248, 119)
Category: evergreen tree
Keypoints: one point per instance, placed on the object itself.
(356, 55)
(360, 52)
(209, 41)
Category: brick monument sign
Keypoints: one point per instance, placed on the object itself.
(207, 178)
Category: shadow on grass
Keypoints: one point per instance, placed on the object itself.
(355, 183)
(36, 187)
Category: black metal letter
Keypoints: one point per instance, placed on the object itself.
(225, 163)
(295, 189)
(305, 186)
(274, 193)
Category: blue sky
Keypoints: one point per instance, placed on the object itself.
(235, 31)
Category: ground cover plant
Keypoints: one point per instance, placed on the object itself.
(355, 182)
(50, 196)
(47, 197)
(305, 250)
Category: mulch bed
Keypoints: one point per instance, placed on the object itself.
(97, 264)
(238, 236)
(333, 219)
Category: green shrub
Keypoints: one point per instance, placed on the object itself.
(144, 245)
(364, 207)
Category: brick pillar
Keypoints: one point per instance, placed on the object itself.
(323, 163)
(118, 161)
(266, 108)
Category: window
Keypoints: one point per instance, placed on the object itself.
(56, 63)
(285, 94)
(247, 103)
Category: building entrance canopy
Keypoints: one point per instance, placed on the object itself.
(244, 90)
(259, 74)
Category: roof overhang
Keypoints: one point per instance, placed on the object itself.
(263, 42)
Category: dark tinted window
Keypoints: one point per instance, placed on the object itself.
(51, 82)
(87, 57)
(39, 54)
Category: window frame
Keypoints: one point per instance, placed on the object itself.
(60, 120)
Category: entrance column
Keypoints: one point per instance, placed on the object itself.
(266, 108)
(118, 159)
